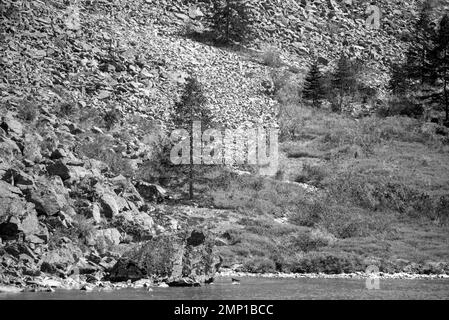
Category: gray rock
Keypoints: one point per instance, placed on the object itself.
(66, 172)
(16, 177)
(34, 239)
(60, 259)
(9, 231)
(49, 196)
(8, 149)
(30, 224)
(59, 153)
(107, 237)
(111, 203)
(14, 126)
(151, 192)
(16, 215)
(32, 150)
(169, 256)
(96, 130)
(95, 212)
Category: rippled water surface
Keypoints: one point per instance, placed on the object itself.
(260, 288)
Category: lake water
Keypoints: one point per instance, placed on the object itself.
(262, 288)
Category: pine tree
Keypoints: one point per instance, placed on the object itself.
(232, 19)
(417, 66)
(190, 108)
(440, 64)
(399, 82)
(344, 79)
(313, 86)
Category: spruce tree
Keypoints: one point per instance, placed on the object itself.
(440, 64)
(399, 82)
(418, 66)
(344, 79)
(231, 20)
(313, 86)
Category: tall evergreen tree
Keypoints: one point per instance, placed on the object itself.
(399, 82)
(313, 85)
(344, 79)
(188, 109)
(440, 63)
(232, 19)
(418, 66)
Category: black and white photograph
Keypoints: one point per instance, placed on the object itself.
(242, 151)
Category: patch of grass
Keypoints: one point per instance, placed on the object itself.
(343, 221)
(312, 174)
(382, 193)
(309, 241)
(259, 265)
(329, 263)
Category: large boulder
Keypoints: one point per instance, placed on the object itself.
(11, 125)
(8, 149)
(106, 237)
(32, 149)
(16, 215)
(11, 202)
(94, 212)
(139, 225)
(61, 259)
(151, 192)
(181, 258)
(50, 196)
(17, 177)
(72, 170)
(111, 203)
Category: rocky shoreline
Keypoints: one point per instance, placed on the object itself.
(48, 284)
(354, 275)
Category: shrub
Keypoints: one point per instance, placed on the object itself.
(101, 149)
(284, 87)
(81, 229)
(111, 118)
(400, 106)
(28, 111)
(271, 57)
(309, 215)
(290, 121)
(259, 265)
(67, 109)
(313, 175)
(341, 220)
(308, 241)
(158, 166)
(442, 209)
(329, 263)
(83, 226)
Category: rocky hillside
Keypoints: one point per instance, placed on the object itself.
(324, 28)
(87, 90)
